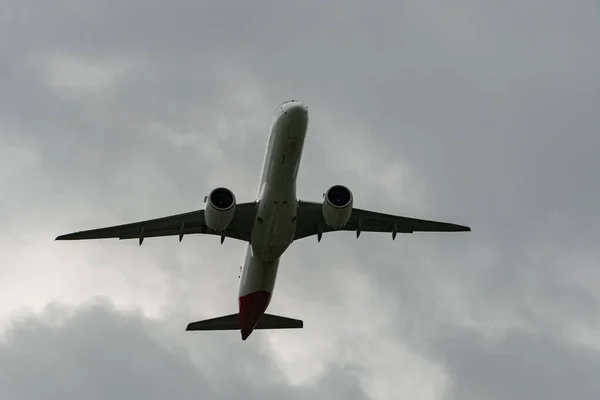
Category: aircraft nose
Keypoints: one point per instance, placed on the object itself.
(294, 110)
(293, 107)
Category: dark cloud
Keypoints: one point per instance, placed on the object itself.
(521, 365)
(477, 113)
(95, 352)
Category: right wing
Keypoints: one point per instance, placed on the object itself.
(311, 222)
(181, 224)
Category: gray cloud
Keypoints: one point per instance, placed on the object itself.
(95, 352)
(520, 365)
(470, 112)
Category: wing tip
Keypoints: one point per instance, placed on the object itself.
(68, 236)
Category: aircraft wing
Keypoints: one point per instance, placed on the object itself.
(181, 224)
(311, 222)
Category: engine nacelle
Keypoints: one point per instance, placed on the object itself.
(220, 207)
(337, 206)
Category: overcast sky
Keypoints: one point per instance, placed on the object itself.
(475, 112)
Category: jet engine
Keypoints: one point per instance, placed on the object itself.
(337, 206)
(220, 207)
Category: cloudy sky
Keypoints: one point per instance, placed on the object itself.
(476, 112)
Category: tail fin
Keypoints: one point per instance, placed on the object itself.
(232, 322)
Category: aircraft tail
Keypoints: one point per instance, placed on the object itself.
(232, 322)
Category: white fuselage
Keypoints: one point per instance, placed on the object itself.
(275, 224)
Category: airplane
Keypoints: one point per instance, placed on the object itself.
(269, 225)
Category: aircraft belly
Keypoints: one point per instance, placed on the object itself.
(274, 231)
(257, 275)
(275, 224)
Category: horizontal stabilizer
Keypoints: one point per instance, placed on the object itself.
(268, 321)
(226, 323)
(232, 322)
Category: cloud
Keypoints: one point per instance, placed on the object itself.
(104, 352)
(469, 112)
(521, 365)
(100, 352)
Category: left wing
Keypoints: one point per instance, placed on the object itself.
(181, 224)
(311, 222)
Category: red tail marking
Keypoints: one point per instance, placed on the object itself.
(252, 307)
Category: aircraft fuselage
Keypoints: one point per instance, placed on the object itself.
(275, 223)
